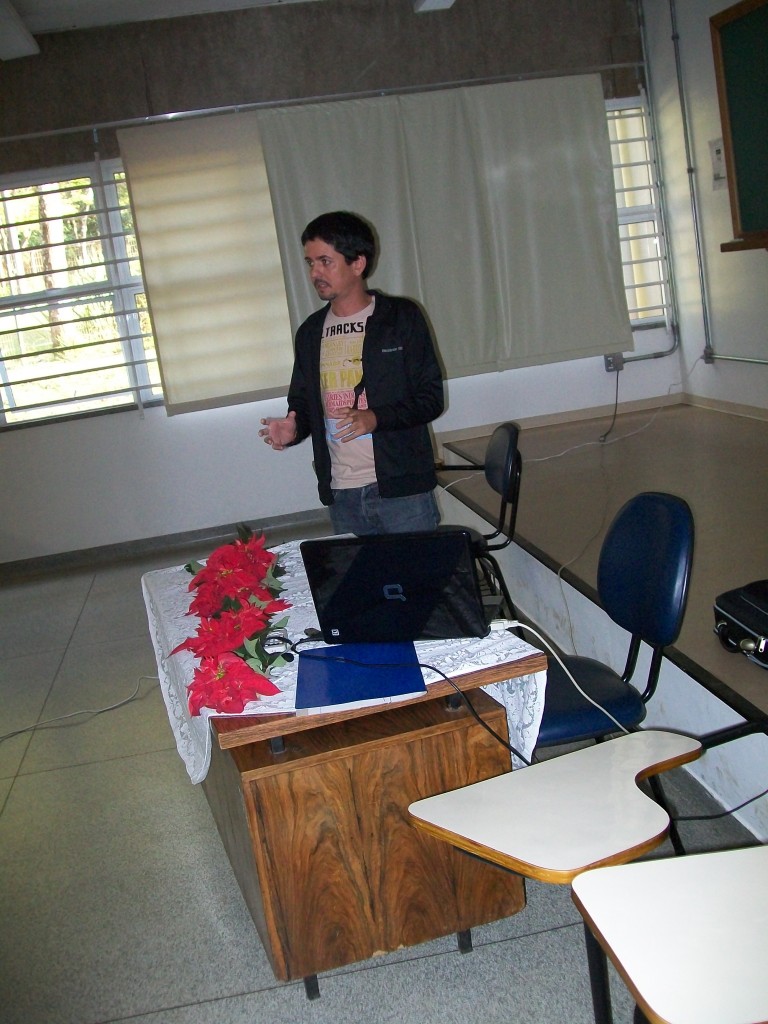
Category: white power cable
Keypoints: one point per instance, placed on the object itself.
(524, 625)
(75, 714)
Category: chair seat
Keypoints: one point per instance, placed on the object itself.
(569, 717)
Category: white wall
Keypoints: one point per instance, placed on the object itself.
(735, 283)
(127, 476)
(124, 477)
(116, 478)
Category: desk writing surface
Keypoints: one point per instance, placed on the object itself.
(490, 661)
(686, 933)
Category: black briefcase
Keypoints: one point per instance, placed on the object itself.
(741, 621)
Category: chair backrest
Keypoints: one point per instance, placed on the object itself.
(503, 466)
(645, 566)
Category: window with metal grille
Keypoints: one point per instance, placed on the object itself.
(643, 253)
(75, 335)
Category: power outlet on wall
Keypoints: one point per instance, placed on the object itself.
(614, 362)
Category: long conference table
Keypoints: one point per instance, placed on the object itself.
(312, 808)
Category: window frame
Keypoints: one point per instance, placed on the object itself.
(126, 287)
(640, 213)
(121, 287)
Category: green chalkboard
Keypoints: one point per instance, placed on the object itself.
(740, 47)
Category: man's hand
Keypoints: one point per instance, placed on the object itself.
(279, 431)
(352, 423)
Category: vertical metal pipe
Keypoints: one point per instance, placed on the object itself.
(708, 351)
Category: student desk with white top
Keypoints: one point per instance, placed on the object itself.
(687, 934)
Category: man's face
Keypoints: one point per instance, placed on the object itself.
(332, 277)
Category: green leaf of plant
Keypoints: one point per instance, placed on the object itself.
(244, 532)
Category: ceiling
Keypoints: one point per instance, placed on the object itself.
(22, 20)
(61, 15)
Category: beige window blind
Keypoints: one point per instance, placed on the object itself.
(494, 206)
(210, 258)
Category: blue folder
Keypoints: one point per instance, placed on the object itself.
(355, 675)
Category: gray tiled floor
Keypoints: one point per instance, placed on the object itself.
(117, 902)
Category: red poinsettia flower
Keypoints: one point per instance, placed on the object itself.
(226, 684)
(234, 601)
(230, 630)
(207, 602)
(235, 567)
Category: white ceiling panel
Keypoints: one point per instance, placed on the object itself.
(62, 15)
(15, 38)
(21, 20)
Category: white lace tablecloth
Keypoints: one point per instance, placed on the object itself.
(167, 597)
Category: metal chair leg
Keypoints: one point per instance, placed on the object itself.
(598, 979)
(312, 986)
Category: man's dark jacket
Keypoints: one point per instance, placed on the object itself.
(403, 386)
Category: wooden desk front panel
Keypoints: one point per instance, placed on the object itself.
(339, 874)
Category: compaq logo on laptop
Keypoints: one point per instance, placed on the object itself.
(394, 592)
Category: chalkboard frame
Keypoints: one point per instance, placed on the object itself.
(740, 103)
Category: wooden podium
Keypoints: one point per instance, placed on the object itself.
(316, 828)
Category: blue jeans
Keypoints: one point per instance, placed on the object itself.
(362, 510)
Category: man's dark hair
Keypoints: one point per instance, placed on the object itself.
(347, 233)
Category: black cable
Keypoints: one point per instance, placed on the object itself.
(484, 724)
(720, 814)
(604, 436)
(476, 716)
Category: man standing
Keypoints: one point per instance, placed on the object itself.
(365, 384)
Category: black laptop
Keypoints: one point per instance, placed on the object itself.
(395, 587)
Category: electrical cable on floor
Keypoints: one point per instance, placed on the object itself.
(575, 558)
(720, 814)
(595, 444)
(74, 714)
(459, 480)
(622, 437)
(602, 440)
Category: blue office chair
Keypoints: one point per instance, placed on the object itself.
(642, 582)
(503, 466)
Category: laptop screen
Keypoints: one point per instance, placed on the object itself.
(395, 587)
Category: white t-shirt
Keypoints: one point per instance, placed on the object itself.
(341, 370)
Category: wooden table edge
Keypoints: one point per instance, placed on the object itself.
(234, 732)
